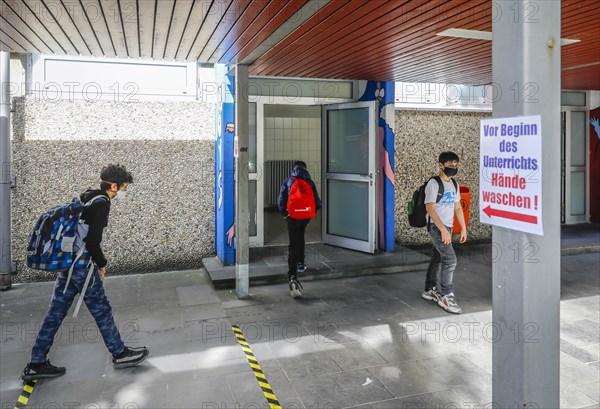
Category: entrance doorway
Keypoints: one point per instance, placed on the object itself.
(337, 142)
(574, 175)
(319, 125)
(291, 133)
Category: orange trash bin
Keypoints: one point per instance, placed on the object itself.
(465, 203)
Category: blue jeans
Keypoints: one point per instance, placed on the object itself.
(96, 302)
(442, 259)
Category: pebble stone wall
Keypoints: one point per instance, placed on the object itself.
(167, 220)
(420, 137)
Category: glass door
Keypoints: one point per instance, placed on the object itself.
(255, 174)
(574, 166)
(563, 165)
(576, 169)
(348, 177)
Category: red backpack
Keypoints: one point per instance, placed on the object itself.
(301, 200)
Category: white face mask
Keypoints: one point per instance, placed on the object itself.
(121, 194)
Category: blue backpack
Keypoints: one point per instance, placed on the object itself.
(52, 242)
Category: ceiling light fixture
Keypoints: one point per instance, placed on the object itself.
(485, 35)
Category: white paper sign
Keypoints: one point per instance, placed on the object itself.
(510, 181)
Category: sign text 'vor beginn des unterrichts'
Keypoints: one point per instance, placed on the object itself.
(510, 182)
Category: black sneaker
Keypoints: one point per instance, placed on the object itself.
(301, 268)
(130, 357)
(41, 370)
(295, 287)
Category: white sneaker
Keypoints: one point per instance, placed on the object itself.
(448, 303)
(295, 287)
(431, 295)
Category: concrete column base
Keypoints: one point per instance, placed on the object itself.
(5, 282)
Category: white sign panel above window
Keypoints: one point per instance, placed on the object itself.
(119, 80)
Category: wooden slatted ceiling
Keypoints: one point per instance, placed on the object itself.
(396, 41)
(581, 61)
(274, 16)
(349, 39)
(91, 26)
(395, 46)
(231, 19)
(186, 14)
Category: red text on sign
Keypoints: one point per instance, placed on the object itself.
(514, 182)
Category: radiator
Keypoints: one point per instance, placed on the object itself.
(276, 171)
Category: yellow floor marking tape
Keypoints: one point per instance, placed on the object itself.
(258, 373)
(25, 394)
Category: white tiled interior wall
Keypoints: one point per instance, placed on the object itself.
(295, 138)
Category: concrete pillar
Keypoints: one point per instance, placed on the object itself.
(5, 173)
(526, 270)
(242, 216)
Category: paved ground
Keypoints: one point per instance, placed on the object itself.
(363, 342)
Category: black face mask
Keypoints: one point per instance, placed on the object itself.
(450, 171)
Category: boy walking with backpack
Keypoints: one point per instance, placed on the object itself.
(298, 203)
(440, 219)
(94, 218)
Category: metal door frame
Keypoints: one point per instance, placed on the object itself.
(568, 168)
(369, 246)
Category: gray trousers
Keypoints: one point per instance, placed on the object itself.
(442, 259)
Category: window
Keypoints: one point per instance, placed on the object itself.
(59, 78)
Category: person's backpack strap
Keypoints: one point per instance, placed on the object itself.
(90, 271)
(440, 188)
(84, 289)
(89, 202)
(70, 273)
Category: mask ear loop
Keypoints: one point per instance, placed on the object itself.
(110, 183)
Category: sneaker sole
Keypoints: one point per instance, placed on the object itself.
(443, 307)
(27, 378)
(132, 363)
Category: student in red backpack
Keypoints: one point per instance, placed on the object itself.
(298, 203)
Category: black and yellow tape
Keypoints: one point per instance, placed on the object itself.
(258, 373)
(25, 394)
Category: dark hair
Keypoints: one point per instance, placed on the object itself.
(300, 164)
(114, 174)
(447, 156)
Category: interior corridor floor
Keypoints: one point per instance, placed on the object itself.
(276, 230)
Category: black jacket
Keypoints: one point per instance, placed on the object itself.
(96, 217)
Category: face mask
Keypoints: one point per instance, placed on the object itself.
(450, 171)
(121, 194)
